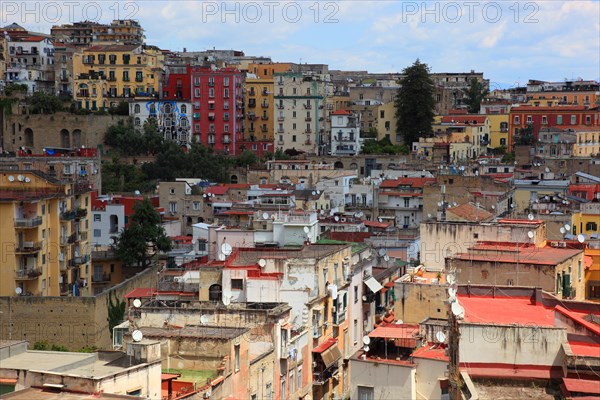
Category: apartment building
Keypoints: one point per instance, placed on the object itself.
(258, 120)
(217, 108)
(63, 68)
(300, 111)
(30, 61)
(345, 133)
(182, 201)
(587, 143)
(45, 228)
(108, 74)
(85, 33)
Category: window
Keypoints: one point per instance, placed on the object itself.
(172, 191)
(97, 217)
(559, 119)
(591, 226)
(544, 120)
(214, 292)
(136, 109)
(173, 206)
(299, 385)
(283, 387)
(237, 284)
(43, 234)
(211, 92)
(97, 232)
(579, 272)
(503, 142)
(196, 92)
(366, 393)
(137, 121)
(237, 357)
(226, 81)
(196, 205)
(406, 202)
(269, 391)
(355, 294)
(517, 120)
(292, 382)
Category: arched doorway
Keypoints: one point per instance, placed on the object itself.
(338, 165)
(65, 140)
(28, 137)
(215, 292)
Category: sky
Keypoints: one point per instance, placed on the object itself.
(509, 41)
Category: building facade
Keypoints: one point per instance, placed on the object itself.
(345, 133)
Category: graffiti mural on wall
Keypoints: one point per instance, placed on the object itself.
(171, 119)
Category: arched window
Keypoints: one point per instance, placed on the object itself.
(167, 108)
(183, 109)
(152, 108)
(183, 122)
(76, 138)
(215, 292)
(65, 139)
(234, 179)
(28, 137)
(136, 109)
(138, 122)
(338, 165)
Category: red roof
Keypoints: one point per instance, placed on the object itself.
(325, 345)
(236, 212)
(342, 112)
(505, 311)
(513, 371)
(238, 186)
(140, 293)
(375, 224)
(520, 221)
(464, 119)
(218, 190)
(585, 349)
(412, 182)
(577, 318)
(395, 331)
(559, 108)
(582, 385)
(431, 353)
(167, 377)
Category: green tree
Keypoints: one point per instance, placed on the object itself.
(43, 103)
(121, 109)
(525, 136)
(246, 158)
(152, 139)
(475, 94)
(123, 138)
(141, 241)
(415, 103)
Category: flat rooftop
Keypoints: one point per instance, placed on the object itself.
(505, 311)
(528, 255)
(195, 331)
(46, 394)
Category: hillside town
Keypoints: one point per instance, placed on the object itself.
(207, 224)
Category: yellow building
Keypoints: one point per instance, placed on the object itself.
(45, 228)
(125, 31)
(386, 123)
(498, 130)
(3, 55)
(587, 143)
(107, 75)
(548, 99)
(259, 106)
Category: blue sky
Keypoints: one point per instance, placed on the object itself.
(510, 41)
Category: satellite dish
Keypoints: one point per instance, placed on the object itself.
(11, 178)
(567, 227)
(137, 303)
(454, 203)
(20, 178)
(204, 319)
(580, 238)
(336, 218)
(137, 192)
(382, 252)
(386, 258)
(428, 215)
(27, 180)
(366, 340)
(562, 230)
(18, 291)
(262, 262)
(547, 169)
(221, 257)
(439, 203)
(306, 229)
(366, 349)
(137, 335)
(226, 298)
(440, 336)
(452, 291)
(457, 309)
(322, 212)
(493, 207)
(226, 249)
(380, 219)
(530, 234)
(314, 193)
(530, 217)
(318, 192)
(265, 216)
(450, 279)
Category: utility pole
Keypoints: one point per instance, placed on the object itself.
(453, 355)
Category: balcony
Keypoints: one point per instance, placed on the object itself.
(264, 117)
(280, 107)
(307, 107)
(28, 222)
(28, 274)
(265, 105)
(139, 79)
(80, 213)
(104, 278)
(80, 260)
(68, 215)
(28, 248)
(112, 79)
(211, 83)
(321, 378)
(252, 93)
(279, 130)
(226, 140)
(280, 118)
(308, 119)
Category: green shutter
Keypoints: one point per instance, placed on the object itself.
(566, 285)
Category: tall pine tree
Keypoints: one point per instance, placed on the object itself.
(415, 103)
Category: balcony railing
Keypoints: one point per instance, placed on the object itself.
(29, 247)
(81, 260)
(28, 222)
(68, 215)
(28, 274)
(104, 278)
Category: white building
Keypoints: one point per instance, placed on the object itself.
(337, 188)
(107, 223)
(300, 111)
(31, 62)
(172, 118)
(345, 133)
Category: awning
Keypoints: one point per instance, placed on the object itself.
(8, 381)
(582, 386)
(373, 284)
(330, 353)
(389, 284)
(403, 335)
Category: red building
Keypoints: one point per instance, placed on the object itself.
(177, 83)
(217, 107)
(562, 117)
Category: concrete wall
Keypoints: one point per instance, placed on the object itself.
(417, 301)
(388, 380)
(47, 130)
(523, 345)
(440, 240)
(428, 374)
(74, 322)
